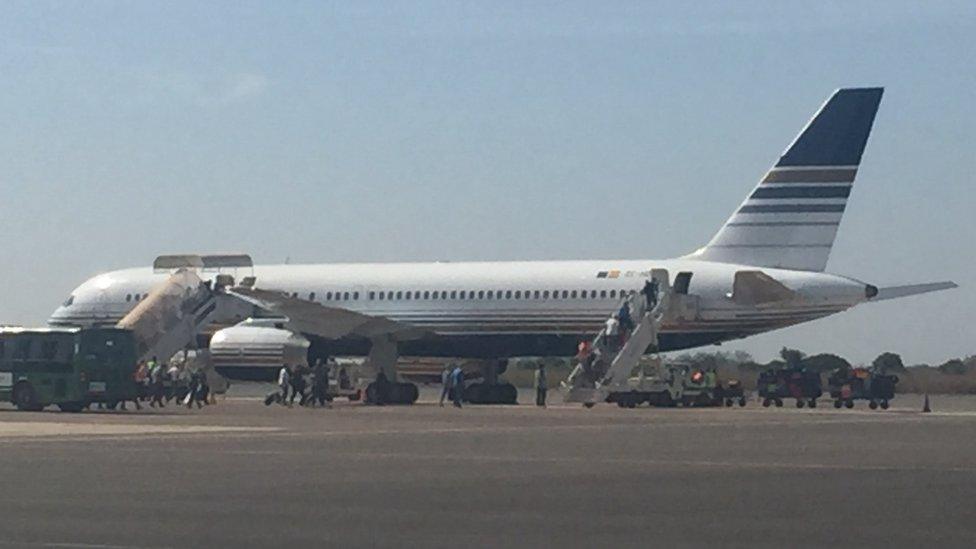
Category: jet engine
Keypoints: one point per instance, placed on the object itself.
(256, 349)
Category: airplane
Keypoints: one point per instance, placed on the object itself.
(763, 270)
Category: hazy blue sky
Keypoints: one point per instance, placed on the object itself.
(485, 130)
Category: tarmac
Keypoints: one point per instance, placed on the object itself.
(245, 475)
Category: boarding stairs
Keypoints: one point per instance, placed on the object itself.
(170, 317)
(609, 365)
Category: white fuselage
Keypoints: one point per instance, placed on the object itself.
(497, 309)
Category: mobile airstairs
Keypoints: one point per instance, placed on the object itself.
(608, 365)
(174, 312)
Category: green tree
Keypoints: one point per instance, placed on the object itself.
(825, 362)
(954, 367)
(792, 357)
(890, 362)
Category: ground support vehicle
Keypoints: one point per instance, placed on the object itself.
(731, 393)
(67, 367)
(800, 384)
(669, 385)
(846, 386)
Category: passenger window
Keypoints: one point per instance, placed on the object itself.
(613, 293)
(565, 294)
(399, 295)
(426, 294)
(461, 294)
(128, 298)
(372, 295)
(481, 294)
(545, 294)
(382, 295)
(536, 294)
(490, 294)
(355, 295)
(453, 294)
(682, 282)
(518, 294)
(328, 296)
(603, 294)
(572, 295)
(311, 296)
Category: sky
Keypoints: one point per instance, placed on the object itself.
(396, 131)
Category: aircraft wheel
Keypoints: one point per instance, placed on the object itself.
(779, 403)
(813, 403)
(765, 403)
(884, 404)
(742, 402)
(588, 405)
(71, 407)
(873, 405)
(838, 404)
(849, 404)
(799, 403)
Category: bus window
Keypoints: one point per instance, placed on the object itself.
(22, 348)
(49, 349)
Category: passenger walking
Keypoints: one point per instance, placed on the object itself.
(457, 385)
(156, 387)
(320, 383)
(198, 386)
(626, 320)
(612, 331)
(541, 385)
(445, 383)
(284, 382)
(297, 384)
(650, 293)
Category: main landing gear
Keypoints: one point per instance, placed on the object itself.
(490, 390)
(383, 358)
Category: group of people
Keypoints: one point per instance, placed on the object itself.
(160, 384)
(309, 385)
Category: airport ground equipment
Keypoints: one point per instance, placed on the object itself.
(800, 384)
(67, 367)
(849, 384)
(174, 312)
(608, 367)
(674, 384)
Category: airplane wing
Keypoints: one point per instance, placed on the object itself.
(894, 292)
(329, 322)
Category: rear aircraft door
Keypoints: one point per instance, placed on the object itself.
(684, 304)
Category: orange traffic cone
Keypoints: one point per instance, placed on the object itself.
(925, 407)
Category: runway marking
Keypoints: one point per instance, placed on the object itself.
(658, 462)
(58, 430)
(74, 545)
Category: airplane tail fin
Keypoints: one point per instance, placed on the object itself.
(790, 219)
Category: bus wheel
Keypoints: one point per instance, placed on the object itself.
(71, 407)
(25, 398)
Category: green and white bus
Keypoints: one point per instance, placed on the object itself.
(67, 367)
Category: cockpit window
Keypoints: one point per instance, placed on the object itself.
(69, 301)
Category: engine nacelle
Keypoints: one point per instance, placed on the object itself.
(256, 349)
